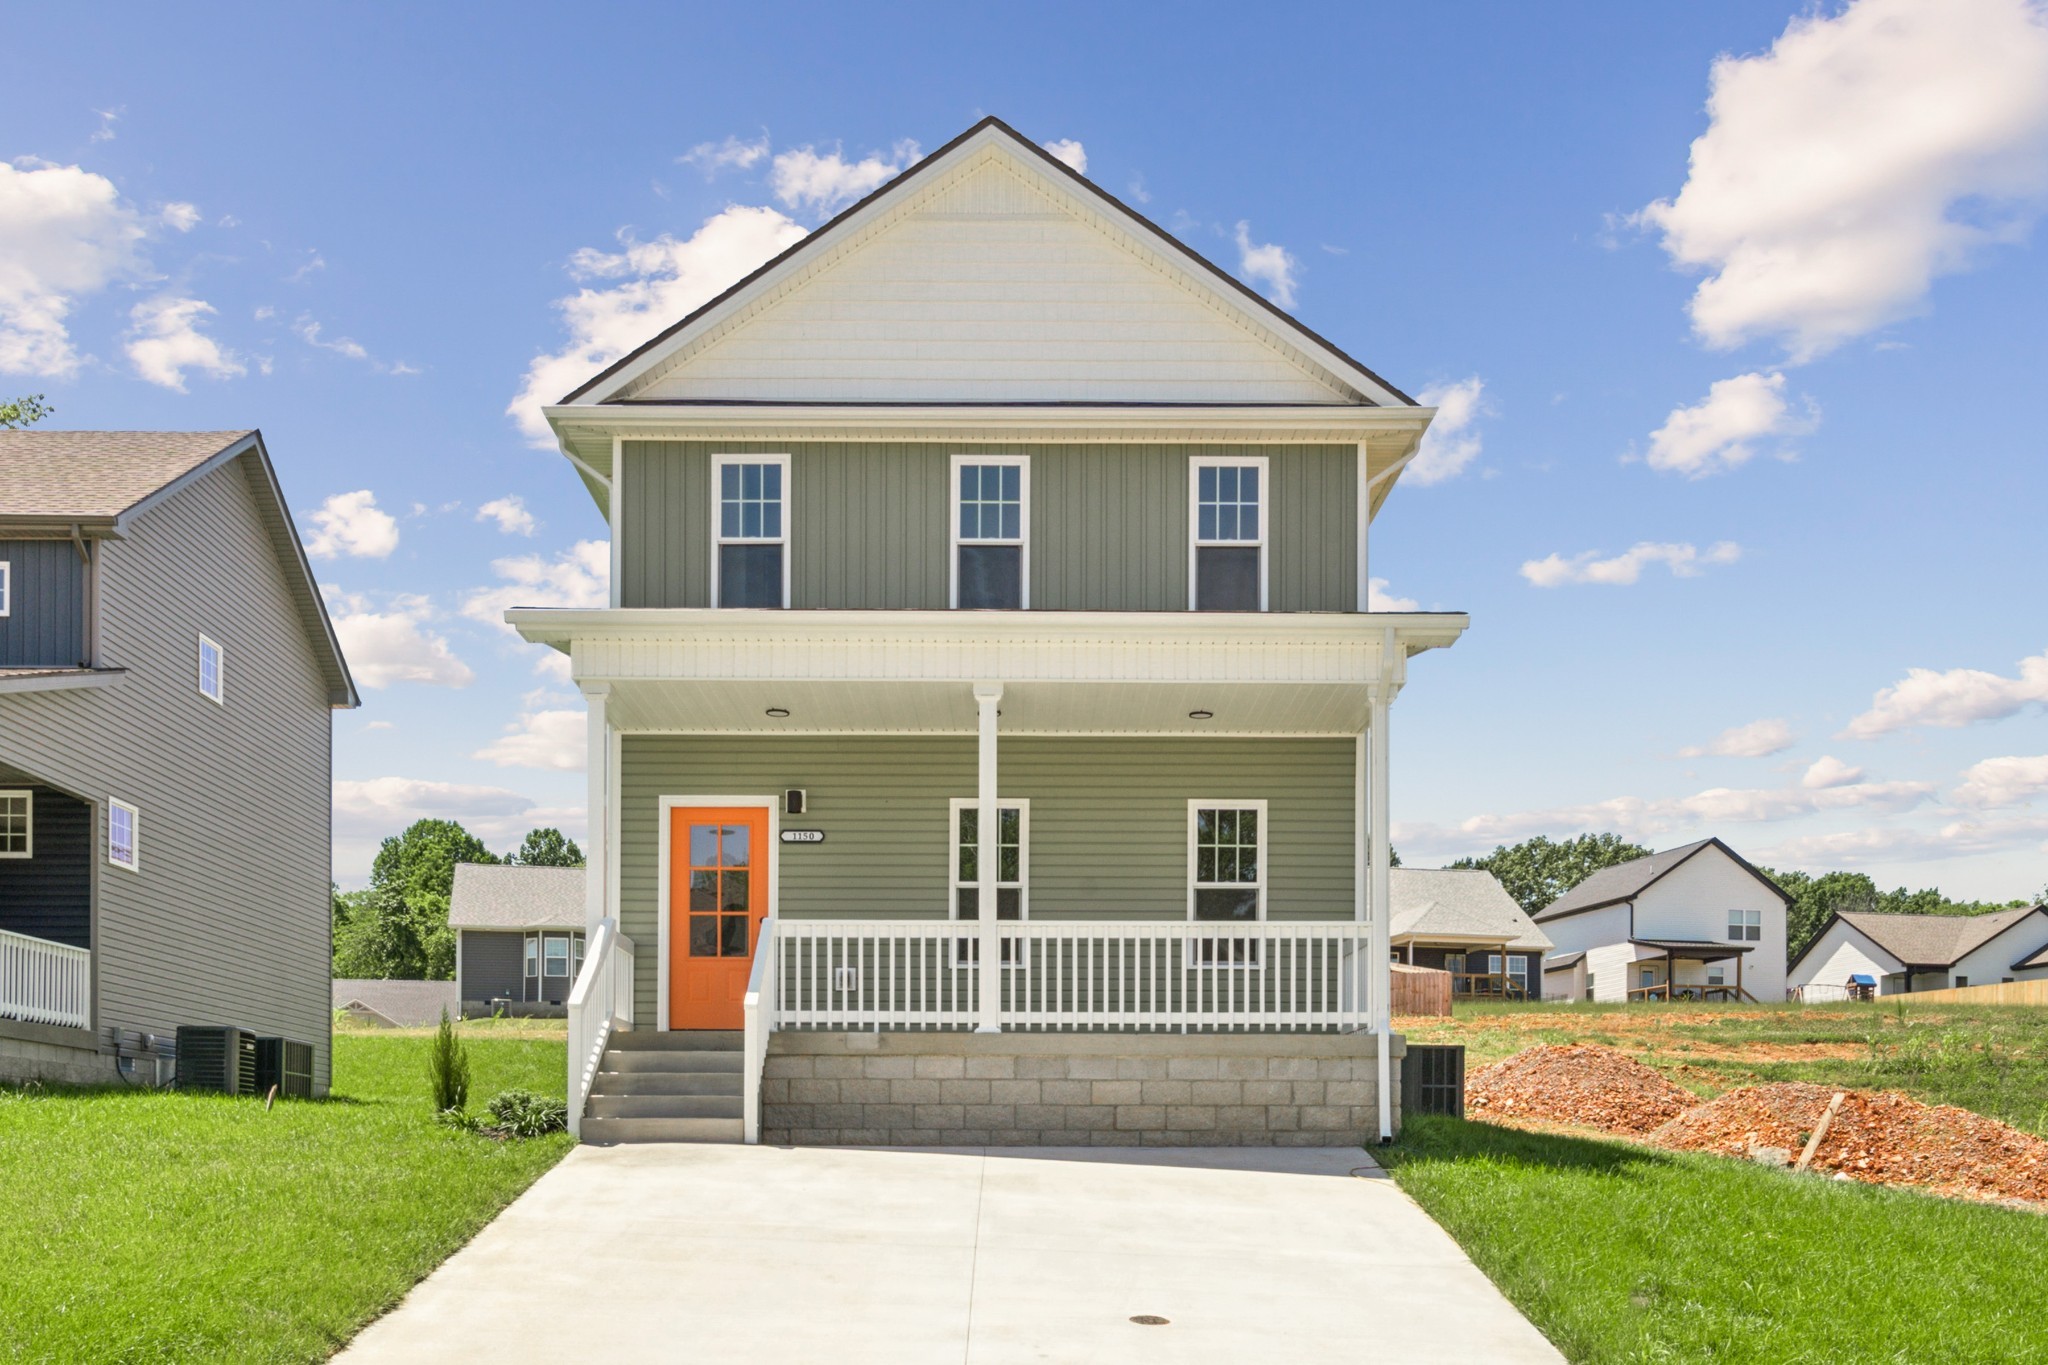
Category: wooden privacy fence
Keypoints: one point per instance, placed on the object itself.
(1420, 990)
(2004, 993)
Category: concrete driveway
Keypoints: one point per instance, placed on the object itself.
(904, 1256)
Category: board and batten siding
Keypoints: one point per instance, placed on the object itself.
(228, 919)
(869, 523)
(1108, 821)
(45, 620)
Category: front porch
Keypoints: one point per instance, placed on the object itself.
(45, 904)
(1688, 970)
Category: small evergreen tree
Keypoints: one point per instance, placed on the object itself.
(448, 1068)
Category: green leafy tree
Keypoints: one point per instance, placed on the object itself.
(548, 848)
(1537, 871)
(397, 927)
(23, 412)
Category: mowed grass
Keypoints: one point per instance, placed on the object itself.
(153, 1226)
(1621, 1253)
(1989, 1058)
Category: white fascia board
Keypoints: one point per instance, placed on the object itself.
(1337, 423)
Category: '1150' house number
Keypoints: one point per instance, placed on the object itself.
(803, 836)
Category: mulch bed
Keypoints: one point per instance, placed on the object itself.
(1882, 1138)
(1582, 1084)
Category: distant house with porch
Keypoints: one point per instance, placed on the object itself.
(1463, 921)
(1858, 955)
(518, 937)
(167, 679)
(988, 727)
(1695, 922)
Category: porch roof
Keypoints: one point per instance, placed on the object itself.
(1696, 950)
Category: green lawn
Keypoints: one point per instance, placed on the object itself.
(1621, 1253)
(150, 1226)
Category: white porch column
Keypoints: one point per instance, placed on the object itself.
(1382, 912)
(597, 768)
(987, 858)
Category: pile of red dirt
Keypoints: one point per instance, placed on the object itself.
(1884, 1138)
(1584, 1085)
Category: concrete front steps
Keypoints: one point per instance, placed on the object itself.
(667, 1087)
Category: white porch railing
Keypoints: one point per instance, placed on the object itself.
(600, 1002)
(44, 982)
(759, 1015)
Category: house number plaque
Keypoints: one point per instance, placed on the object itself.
(803, 836)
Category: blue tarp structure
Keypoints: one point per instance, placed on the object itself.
(1861, 979)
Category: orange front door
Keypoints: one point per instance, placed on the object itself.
(718, 896)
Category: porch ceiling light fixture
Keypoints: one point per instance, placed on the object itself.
(779, 712)
(1201, 715)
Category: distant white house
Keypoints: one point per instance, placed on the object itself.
(1696, 921)
(1893, 954)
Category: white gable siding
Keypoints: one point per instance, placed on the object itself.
(988, 289)
(1841, 953)
(1603, 936)
(1565, 983)
(1692, 902)
(1992, 963)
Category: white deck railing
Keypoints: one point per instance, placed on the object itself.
(600, 1002)
(44, 982)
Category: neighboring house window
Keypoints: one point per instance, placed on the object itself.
(1011, 865)
(6, 588)
(1745, 926)
(1589, 985)
(750, 521)
(124, 835)
(1717, 976)
(576, 954)
(991, 531)
(212, 683)
(555, 954)
(1227, 541)
(1649, 975)
(1518, 969)
(17, 818)
(532, 956)
(1226, 875)
(1962, 981)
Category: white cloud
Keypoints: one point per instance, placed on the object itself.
(1450, 444)
(380, 725)
(311, 266)
(1136, 189)
(1719, 432)
(510, 513)
(1069, 151)
(1996, 782)
(545, 736)
(1828, 771)
(821, 182)
(64, 234)
(578, 577)
(1896, 843)
(555, 666)
(713, 157)
(384, 647)
(1867, 152)
(1377, 598)
(352, 524)
(184, 217)
(1269, 265)
(662, 281)
(165, 341)
(1758, 739)
(1950, 700)
(347, 347)
(108, 118)
(1684, 561)
(367, 812)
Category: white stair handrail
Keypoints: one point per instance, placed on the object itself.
(759, 1016)
(600, 1001)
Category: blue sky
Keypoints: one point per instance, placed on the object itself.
(355, 230)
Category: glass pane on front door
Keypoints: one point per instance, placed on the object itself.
(721, 890)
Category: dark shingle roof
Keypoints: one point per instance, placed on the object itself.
(1626, 881)
(96, 475)
(501, 896)
(401, 1004)
(1932, 940)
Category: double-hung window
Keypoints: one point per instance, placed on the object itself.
(1226, 876)
(212, 672)
(532, 957)
(1518, 970)
(992, 531)
(124, 836)
(17, 824)
(1745, 926)
(1009, 861)
(555, 954)
(750, 525)
(1227, 535)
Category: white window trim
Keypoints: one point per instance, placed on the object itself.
(28, 796)
(1199, 462)
(220, 671)
(1750, 932)
(529, 954)
(6, 588)
(1265, 868)
(719, 540)
(665, 809)
(134, 863)
(957, 804)
(954, 542)
(568, 953)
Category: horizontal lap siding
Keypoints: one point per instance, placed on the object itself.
(869, 522)
(1108, 821)
(493, 965)
(227, 922)
(45, 621)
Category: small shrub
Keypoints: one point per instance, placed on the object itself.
(523, 1114)
(448, 1068)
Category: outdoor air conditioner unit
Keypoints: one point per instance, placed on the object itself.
(216, 1057)
(287, 1064)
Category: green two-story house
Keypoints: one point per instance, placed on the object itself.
(987, 496)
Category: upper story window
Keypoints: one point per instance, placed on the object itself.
(1227, 540)
(212, 671)
(124, 836)
(6, 588)
(750, 522)
(992, 531)
(17, 824)
(1745, 926)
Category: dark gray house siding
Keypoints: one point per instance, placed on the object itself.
(227, 920)
(45, 620)
(49, 894)
(493, 964)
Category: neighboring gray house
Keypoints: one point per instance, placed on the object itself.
(390, 1003)
(518, 936)
(167, 674)
(1463, 921)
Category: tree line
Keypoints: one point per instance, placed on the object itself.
(1537, 871)
(397, 926)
